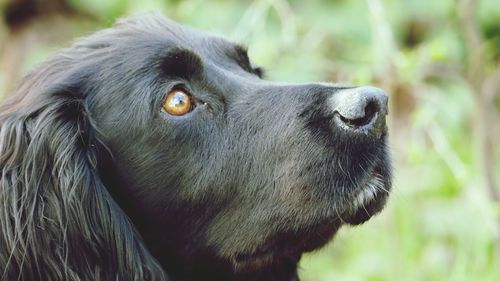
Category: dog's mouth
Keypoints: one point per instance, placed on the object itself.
(368, 200)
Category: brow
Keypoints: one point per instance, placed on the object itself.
(182, 63)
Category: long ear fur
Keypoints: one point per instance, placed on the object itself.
(57, 220)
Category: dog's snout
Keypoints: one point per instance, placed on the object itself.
(360, 110)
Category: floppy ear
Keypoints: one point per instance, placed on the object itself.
(57, 220)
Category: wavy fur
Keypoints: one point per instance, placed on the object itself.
(57, 220)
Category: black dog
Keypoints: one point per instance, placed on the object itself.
(151, 151)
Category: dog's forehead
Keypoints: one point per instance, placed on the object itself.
(173, 34)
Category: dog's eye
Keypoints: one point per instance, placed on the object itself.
(178, 102)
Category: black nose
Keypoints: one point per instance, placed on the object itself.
(360, 110)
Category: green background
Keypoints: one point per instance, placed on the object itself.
(438, 60)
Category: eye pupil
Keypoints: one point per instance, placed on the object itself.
(178, 102)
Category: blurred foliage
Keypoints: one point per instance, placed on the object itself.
(441, 223)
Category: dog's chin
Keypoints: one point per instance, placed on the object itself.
(287, 246)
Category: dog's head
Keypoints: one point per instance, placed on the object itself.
(159, 128)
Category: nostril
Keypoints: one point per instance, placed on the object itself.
(359, 110)
(369, 113)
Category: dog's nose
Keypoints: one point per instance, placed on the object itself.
(360, 110)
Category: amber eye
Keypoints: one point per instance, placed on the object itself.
(178, 102)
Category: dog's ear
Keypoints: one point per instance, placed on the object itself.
(57, 220)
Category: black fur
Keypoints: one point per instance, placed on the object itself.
(99, 183)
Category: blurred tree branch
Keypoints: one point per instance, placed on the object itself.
(484, 86)
(385, 70)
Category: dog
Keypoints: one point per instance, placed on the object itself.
(154, 151)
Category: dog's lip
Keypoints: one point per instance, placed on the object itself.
(373, 184)
(368, 200)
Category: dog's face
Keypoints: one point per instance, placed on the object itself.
(210, 159)
(219, 170)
